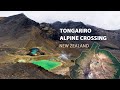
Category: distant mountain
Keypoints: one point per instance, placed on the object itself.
(69, 24)
(19, 31)
(113, 36)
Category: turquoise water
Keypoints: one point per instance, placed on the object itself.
(47, 64)
(34, 52)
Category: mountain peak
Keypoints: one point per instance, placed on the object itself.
(68, 24)
(19, 19)
(21, 15)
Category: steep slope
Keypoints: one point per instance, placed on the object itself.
(16, 28)
(19, 31)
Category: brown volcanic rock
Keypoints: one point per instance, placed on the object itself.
(19, 31)
(1, 18)
(12, 25)
(22, 30)
(26, 71)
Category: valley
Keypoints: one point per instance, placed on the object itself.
(18, 34)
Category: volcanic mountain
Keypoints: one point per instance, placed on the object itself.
(19, 31)
(113, 36)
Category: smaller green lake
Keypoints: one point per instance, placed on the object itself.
(47, 64)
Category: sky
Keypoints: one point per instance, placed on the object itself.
(109, 20)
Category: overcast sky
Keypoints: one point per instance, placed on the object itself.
(102, 19)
